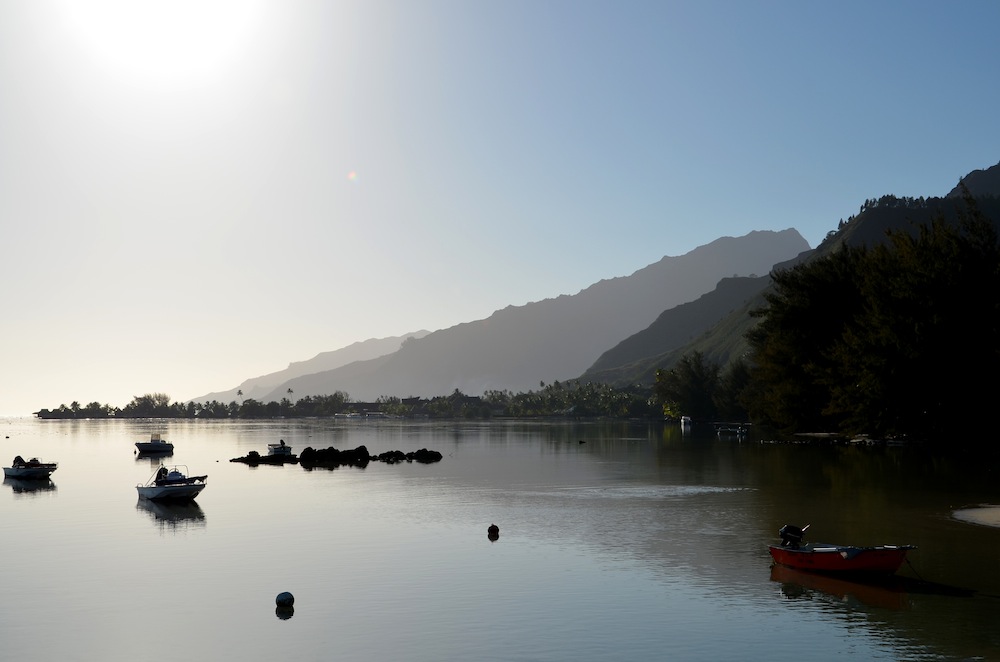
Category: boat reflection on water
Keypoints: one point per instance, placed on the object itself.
(152, 459)
(173, 514)
(888, 592)
(30, 486)
(885, 593)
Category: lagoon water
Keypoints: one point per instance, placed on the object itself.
(617, 542)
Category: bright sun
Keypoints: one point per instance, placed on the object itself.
(163, 41)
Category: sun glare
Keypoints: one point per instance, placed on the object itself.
(163, 41)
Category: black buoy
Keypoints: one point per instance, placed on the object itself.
(284, 610)
(493, 533)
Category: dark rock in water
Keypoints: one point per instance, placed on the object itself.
(391, 457)
(423, 456)
(253, 458)
(359, 457)
(332, 458)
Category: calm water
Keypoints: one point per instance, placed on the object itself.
(635, 545)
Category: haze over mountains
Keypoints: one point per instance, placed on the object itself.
(636, 359)
(259, 388)
(520, 346)
(616, 331)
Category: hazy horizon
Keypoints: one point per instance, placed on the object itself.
(196, 193)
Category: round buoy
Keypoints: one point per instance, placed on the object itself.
(285, 599)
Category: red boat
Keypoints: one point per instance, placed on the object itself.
(841, 559)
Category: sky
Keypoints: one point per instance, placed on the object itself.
(198, 192)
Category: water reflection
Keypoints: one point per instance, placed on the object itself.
(30, 487)
(888, 592)
(796, 584)
(179, 515)
(637, 542)
(154, 459)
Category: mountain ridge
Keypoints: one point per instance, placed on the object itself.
(518, 347)
(711, 321)
(725, 340)
(259, 387)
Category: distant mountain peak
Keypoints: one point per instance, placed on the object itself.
(259, 388)
(518, 347)
(980, 183)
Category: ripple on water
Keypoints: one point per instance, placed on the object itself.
(645, 491)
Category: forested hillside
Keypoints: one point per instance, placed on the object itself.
(725, 341)
(636, 359)
(519, 347)
(896, 336)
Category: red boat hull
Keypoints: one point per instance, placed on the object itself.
(884, 559)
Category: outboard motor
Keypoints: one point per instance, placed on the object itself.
(791, 536)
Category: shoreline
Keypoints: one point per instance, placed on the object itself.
(985, 515)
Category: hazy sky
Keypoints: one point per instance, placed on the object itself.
(194, 192)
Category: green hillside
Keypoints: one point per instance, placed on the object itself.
(719, 334)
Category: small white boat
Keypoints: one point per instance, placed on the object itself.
(33, 468)
(172, 485)
(279, 449)
(155, 445)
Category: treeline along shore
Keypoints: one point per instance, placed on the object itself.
(899, 340)
(557, 399)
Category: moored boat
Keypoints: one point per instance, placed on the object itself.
(841, 559)
(156, 444)
(172, 485)
(33, 468)
(277, 454)
(280, 449)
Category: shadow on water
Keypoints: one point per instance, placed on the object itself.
(887, 592)
(184, 513)
(24, 486)
(153, 459)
